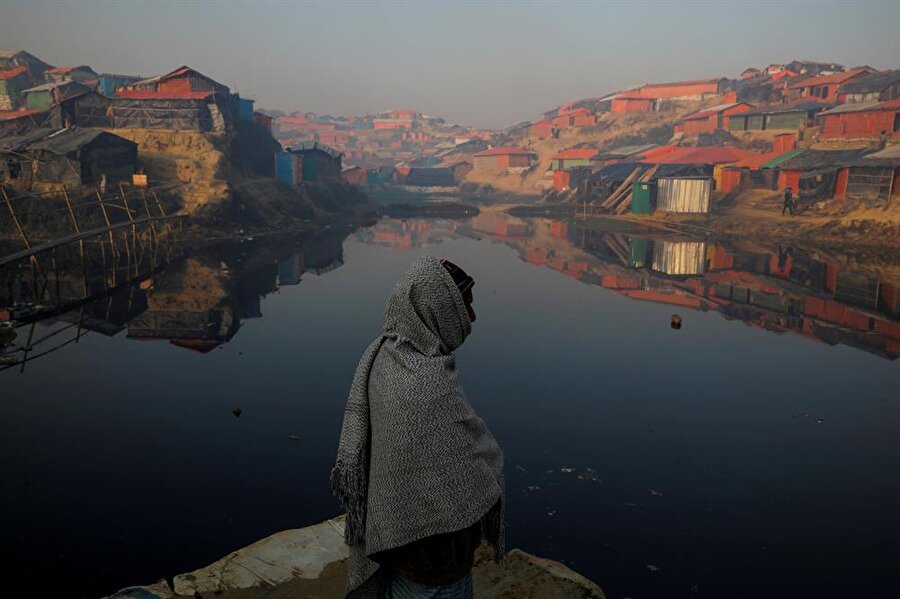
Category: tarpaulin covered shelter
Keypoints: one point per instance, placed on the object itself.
(874, 178)
(876, 87)
(16, 122)
(201, 112)
(12, 82)
(72, 157)
(507, 157)
(317, 161)
(790, 117)
(43, 97)
(714, 117)
(430, 177)
(572, 158)
(813, 174)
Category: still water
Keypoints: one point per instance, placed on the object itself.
(752, 453)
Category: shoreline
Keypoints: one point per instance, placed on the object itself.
(312, 562)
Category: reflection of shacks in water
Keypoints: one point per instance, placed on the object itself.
(679, 258)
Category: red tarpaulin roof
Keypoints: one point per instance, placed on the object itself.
(503, 152)
(755, 161)
(10, 73)
(828, 79)
(574, 154)
(149, 94)
(706, 155)
(11, 115)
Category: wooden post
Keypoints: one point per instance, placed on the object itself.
(108, 223)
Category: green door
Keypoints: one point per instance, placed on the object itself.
(309, 167)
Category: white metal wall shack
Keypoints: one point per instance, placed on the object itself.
(684, 195)
(679, 257)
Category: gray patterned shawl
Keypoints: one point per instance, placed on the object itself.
(414, 459)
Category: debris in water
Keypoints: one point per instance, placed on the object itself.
(655, 493)
(531, 489)
(652, 568)
(820, 420)
(630, 504)
(566, 470)
(676, 321)
(293, 437)
(520, 468)
(237, 411)
(551, 513)
(589, 474)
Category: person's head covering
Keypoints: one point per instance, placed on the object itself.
(427, 309)
(414, 460)
(463, 281)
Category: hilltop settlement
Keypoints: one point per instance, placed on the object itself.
(729, 151)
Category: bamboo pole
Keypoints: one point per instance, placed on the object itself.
(108, 223)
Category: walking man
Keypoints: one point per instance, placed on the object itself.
(418, 472)
(788, 201)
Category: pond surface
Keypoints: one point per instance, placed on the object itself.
(752, 453)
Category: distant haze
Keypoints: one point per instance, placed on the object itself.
(487, 65)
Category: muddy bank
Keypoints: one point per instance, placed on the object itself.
(312, 562)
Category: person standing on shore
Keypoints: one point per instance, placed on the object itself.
(882, 140)
(788, 201)
(418, 472)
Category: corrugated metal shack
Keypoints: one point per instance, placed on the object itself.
(72, 157)
(786, 118)
(317, 161)
(684, 195)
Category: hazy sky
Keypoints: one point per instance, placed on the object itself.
(486, 64)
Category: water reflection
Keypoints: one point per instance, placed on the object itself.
(198, 302)
(776, 288)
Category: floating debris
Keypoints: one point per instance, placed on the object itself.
(676, 321)
(654, 492)
(652, 568)
(531, 489)
(237, 411)
(630, 504)
(590, 474)
(293, 437)
(551, 513)
(820, 420)
(520, 468)
(566, 470)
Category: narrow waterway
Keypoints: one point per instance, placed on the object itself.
(751, 453)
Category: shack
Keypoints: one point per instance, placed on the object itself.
(695, 89)
(823, 88)
(355, 175)
(44, 97)
(181, 81)
(574, 157)
(502, 158)
(791, 117)
(82, 74)
(633, 102)
(861, 120)
(541, 129)
(109, 83)
(712, 118)
(430, 177)
(814, 175)
(188, 112)
(875, 87)
(317, 162)
(16, 122)
(12, 83)
(873, 178)
(684, 194)
(72, 157)
(578, 117)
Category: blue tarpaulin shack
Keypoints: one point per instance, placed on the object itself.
(245, 108)
(286, 168)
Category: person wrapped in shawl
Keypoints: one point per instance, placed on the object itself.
(418, 472)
